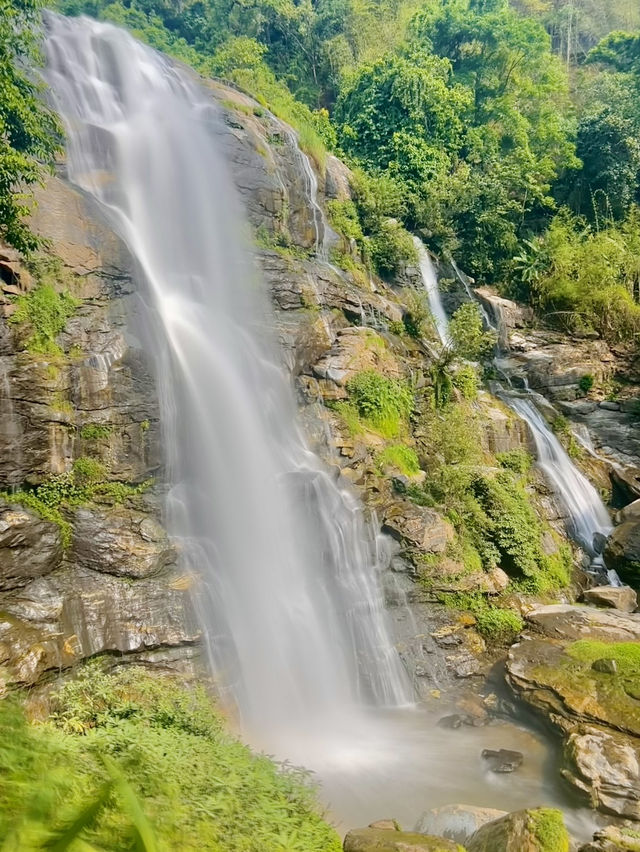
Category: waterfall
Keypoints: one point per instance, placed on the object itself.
(430, 282)
(587, 514)
(291, 605)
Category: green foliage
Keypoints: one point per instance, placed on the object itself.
(95, 432)
(400, 457)
(42, 508)
(344, 218)
(87, 471)
(391, 248)
(586, 383)
(547, 825)
(469, 339)
(465, 379)
(132, 760)
(45, 311)
(416, 319)
(625, 654)
(383, 404)
(29, 132)
(498, 626)
(519, 461)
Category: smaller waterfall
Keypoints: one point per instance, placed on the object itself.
(587, 512)
(430, 281)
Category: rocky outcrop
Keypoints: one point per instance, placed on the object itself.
(456, 822)
(567, 669)
(30, 547)
(538, 830)
(617, 597)
(390, 840)
(622, 552)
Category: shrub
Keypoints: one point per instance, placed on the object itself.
(384, 404)
(586, 383)
(95, 431)
(343, 216)
(391, 249)
(498, 626)
(400, 457)
(469, 339)
(417, 318)
(169, 771)
(45, 311)
(465, 379)
(519, 460)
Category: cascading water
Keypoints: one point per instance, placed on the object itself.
(430, 281)
(587, 514)
(295, 618)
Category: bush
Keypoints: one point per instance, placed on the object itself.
(400, 457)
(180, 781)
(519, 460)
(45, 311)
(465, 379)
(384, 404)
(499, 626)
(586, 383)
(469, 339)
(391, 249)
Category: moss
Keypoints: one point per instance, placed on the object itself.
(280, 243)
(400, 457)
(519, 460)
(548, 828)
(498, 625)
(47, 512)
(87, 470)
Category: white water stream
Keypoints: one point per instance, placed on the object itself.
(289, 570)
(430, 282)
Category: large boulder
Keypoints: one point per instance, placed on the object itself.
(613, 838)
(389, 840)
(29, 546)
(623, 598)
(456, 822)
(538, 830)
(417, 527)
(622, 552)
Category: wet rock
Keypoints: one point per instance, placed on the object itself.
(386, 824)
(629, 513)
(502, 760)
(417, 526)
(623, 598)
(29, 546)
(605, 666)
(605, 765)
(538, 830)
(120, 541)
(506, 314)
(622, 553)
(599, 542)
(456, 822)
(613, 839)
(355, 350)
(569, 622)
(389, 840)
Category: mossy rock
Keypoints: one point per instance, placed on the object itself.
(538, 830)
(388, 840)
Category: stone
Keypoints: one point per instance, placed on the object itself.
(599, 542)
(29, 546)
(623, 598)
(386, 824)
(390, 840)
(613, 839)
(418, 527)
(605, 766)
(622, 553)
(502, 760)
(456, 822)
(629, 513)
(537, 830)
(605, 666)
(120, 541)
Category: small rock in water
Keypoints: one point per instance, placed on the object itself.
(605, 666)
(503, 760)
(453, 721)
(599, 542)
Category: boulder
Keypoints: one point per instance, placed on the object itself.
(419, 527)
(622, 553)
(456, 822)
(605, 765)
(120, 541)
(613, 838)
(502, 760)
(389, 840)
(623, 598)
(30, 547)
(538, 830)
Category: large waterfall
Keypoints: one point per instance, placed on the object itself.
(291, 604)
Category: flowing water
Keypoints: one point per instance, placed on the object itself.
(291, 603)
(430, 282)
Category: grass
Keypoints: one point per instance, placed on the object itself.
(95, 432)
(383, 404)
(498, 625)
(400, 458)
(134, 760)
(45, 312)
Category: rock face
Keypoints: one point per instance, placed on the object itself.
(617, 597)
(29, 547)
(567, 669)
(539, 830)
(622, 552)
(387, 840)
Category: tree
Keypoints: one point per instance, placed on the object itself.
(29, 132)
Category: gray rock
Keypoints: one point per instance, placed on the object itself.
(456, 822)
(502, 760)
(417, 527)
(120, 541)
(518, 832)
(605, 666)
(389, 840)
(622, 553)
(29, 546)
(623, 598)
